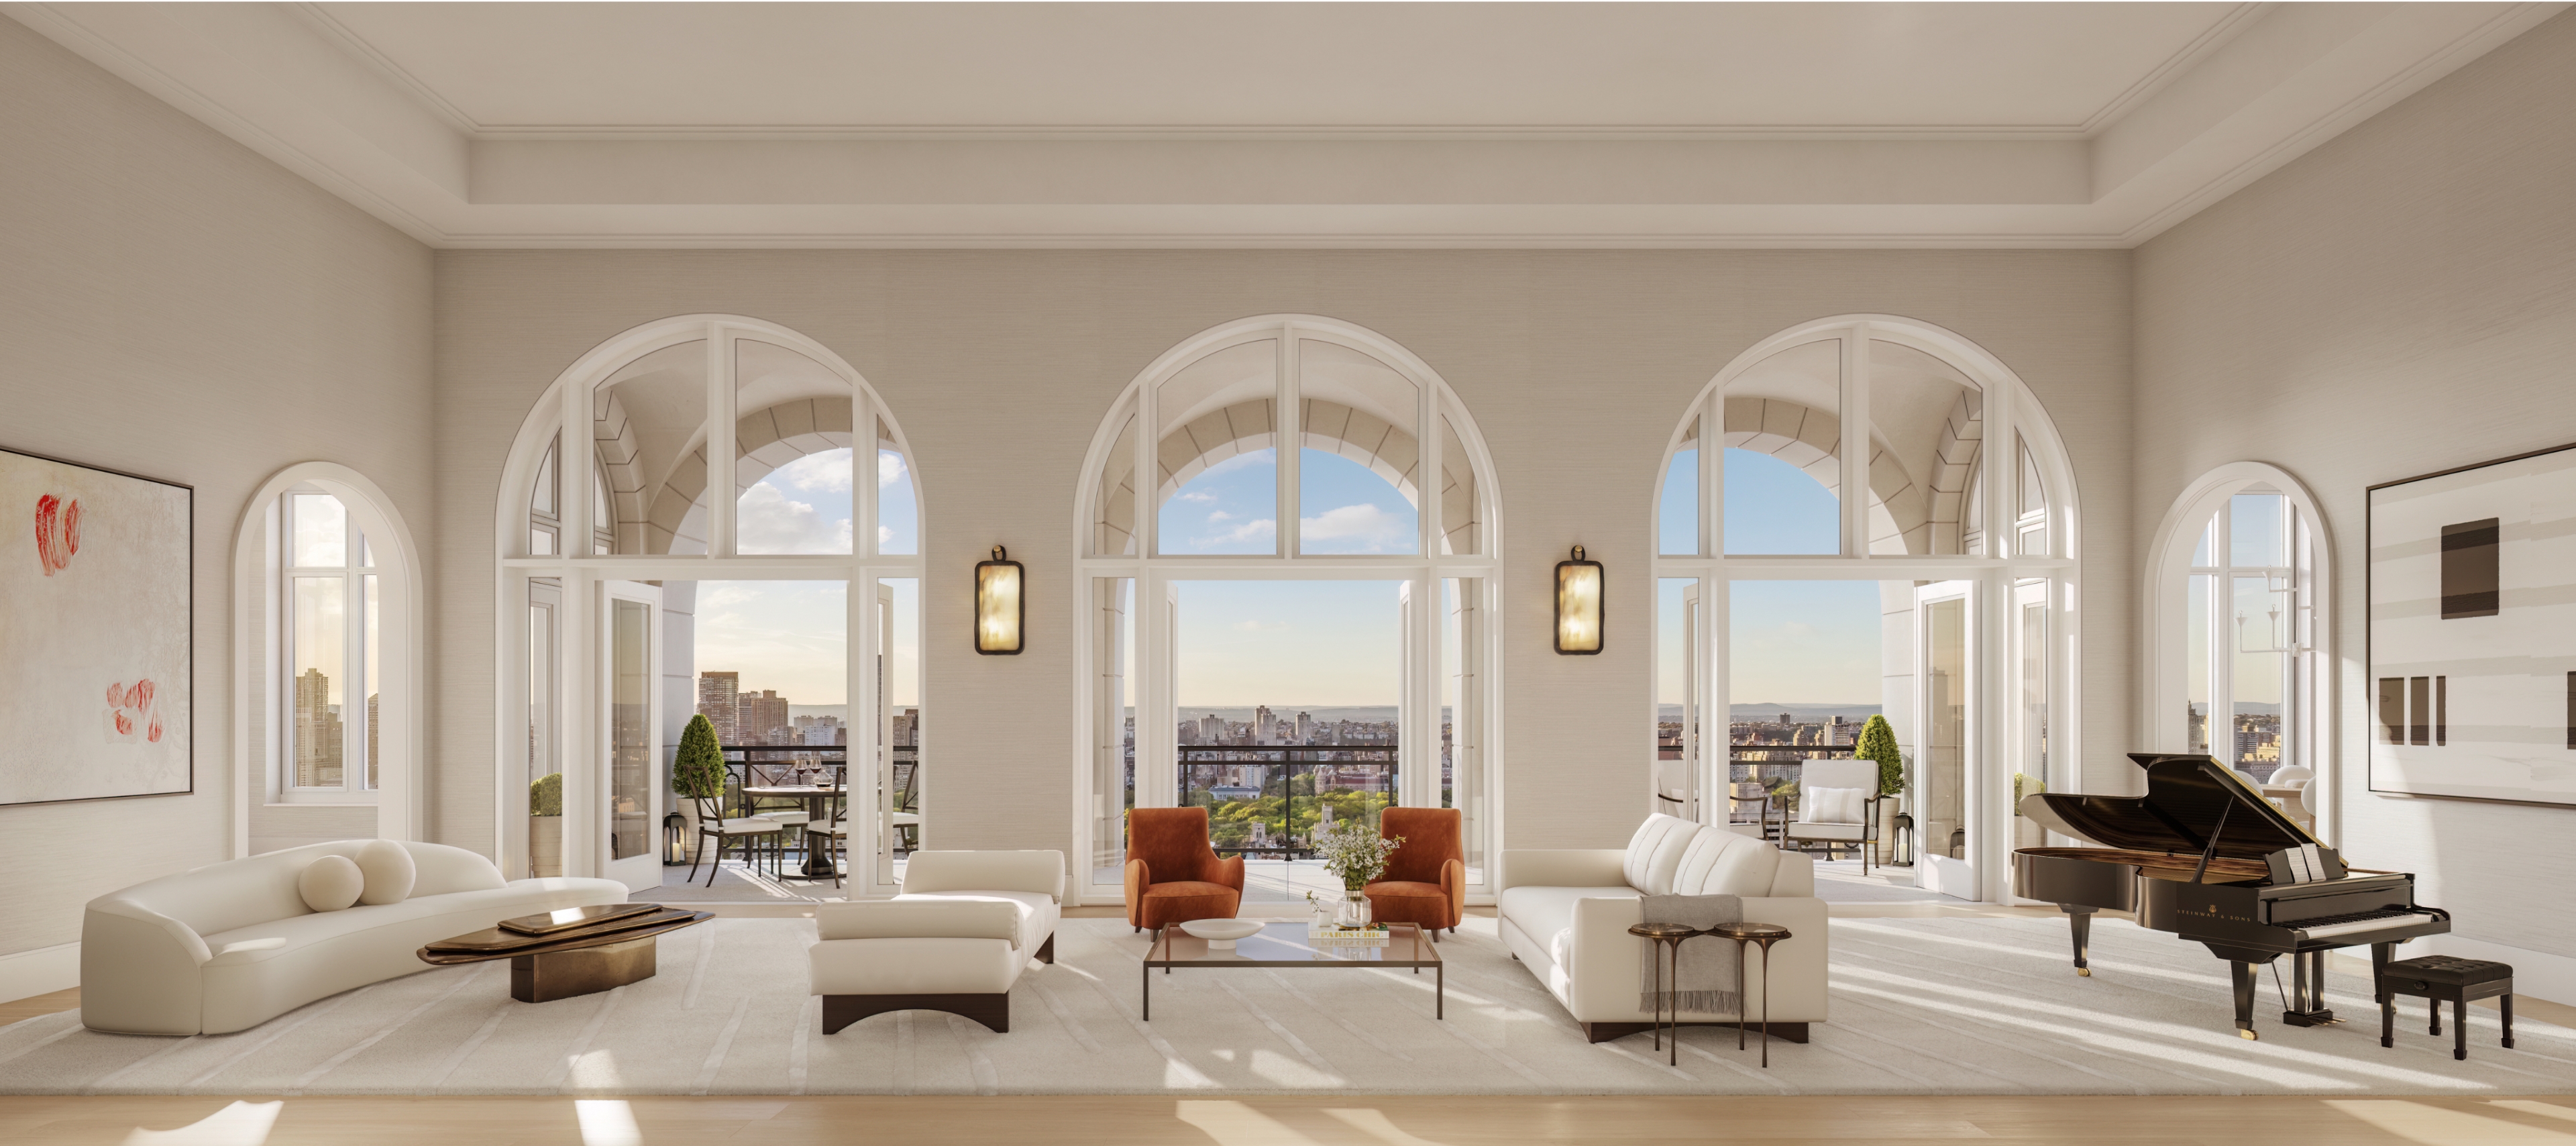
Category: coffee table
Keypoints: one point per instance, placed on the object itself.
(584, 957)
(1285, 944)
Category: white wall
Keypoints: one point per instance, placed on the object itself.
(1000, 366)
(175, 306)
(2400, 300)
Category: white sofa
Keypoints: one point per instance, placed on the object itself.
(1565, 914)
(956, 940)
(231, 945)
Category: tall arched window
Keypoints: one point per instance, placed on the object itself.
(767, 578)
(1936, 591)
(1289, 637)
(2234, 650)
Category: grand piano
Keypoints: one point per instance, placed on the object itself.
(2206, 857)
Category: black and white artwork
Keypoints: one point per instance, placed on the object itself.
(2473, 631)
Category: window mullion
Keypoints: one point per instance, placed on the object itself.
(1855, 443)
(1284, 423)
(721, 489)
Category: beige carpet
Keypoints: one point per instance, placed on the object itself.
(1921, 1006)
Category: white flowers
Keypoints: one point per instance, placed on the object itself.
(1353, 850)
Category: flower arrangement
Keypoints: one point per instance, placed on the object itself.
(1354, 851)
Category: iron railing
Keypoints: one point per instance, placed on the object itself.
(1225, 777)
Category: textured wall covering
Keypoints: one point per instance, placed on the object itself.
(2398, 301)
(173, 305)
(1577, 365)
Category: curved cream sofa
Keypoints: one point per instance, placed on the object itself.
(231, 945)
(1565, 915)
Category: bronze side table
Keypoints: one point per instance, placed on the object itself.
(1765, 934)
(1667, 939)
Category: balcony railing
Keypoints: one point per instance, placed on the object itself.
(762, 765)
(1265, 799)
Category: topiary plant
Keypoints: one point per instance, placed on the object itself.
(698, 772)
(545, 796)
(1878, 742)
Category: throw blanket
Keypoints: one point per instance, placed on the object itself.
(1705, 982)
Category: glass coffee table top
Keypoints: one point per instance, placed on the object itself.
(1286, 944)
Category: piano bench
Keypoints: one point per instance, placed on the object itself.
(2443, 978)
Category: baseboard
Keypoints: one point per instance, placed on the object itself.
(42, 971)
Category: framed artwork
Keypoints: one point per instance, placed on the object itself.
(2472, 591)
(96, 633)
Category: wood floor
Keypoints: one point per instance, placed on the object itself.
(1356, 1121)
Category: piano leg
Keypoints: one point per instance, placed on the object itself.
(2242, 973)
(2079, 920)
(2308, 990)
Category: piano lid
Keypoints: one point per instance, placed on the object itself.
(2185, 796)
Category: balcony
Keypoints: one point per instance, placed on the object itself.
(1265, 803)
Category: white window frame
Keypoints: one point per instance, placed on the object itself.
(1994, 565)
(568, 402)
(1157, 749)
(262, 657)
(2309, 729)
(353, 573)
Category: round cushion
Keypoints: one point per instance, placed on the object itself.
(388, 870)
(330, 883)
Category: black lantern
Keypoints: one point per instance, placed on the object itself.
(1578, 606)
(998, 608)
(1902, 847)
(675, 840)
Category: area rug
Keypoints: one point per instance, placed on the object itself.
(1968, 1005)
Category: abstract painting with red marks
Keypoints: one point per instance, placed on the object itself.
(96, 633)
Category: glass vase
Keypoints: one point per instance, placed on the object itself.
(1353, 912)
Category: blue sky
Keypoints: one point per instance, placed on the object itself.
(1289, 643)
(1804, 642)
(1232, 507)
(805, 507)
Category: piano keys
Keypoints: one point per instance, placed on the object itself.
(2206, 857)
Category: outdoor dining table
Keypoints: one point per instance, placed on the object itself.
(818, 809)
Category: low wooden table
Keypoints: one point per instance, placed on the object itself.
(1286, 945)
(590, 950)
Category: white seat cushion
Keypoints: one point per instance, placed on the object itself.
(741, 826)
(914, 966)
(1832, 833)
(1655, 852)
(1038, 912)
(1546, 913)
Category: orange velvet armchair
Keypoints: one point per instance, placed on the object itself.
(1426, 879)
(1173, 875)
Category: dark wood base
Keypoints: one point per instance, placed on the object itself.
(1604, 1032)
(993, 1011)
(543, 978)
(1046, 950)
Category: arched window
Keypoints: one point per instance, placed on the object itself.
(1793, 605)
(2234, 650)
(328, 697)
(786, 611)
(1289, 637)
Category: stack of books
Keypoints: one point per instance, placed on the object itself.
(1323, 936)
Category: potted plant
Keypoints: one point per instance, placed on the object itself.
(1878, 743)
(545, 825)
(1355, 852)
(698, 770)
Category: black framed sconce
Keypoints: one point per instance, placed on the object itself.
(1578, 606)
(998, 607)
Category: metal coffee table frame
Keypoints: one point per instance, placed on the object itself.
(1284, 944)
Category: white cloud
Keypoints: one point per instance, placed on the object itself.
(1252, 530)
(885, 535)
(767, 521)
(1200, 496)
(1364, 523)
(1219, 515)
(730, 595)
(826, 472)
(889, 468)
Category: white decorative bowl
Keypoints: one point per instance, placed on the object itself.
(1221, 933)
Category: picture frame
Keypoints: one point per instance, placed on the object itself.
(97, 632)
(2471, 645)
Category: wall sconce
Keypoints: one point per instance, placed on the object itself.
(1578, 606)
(998, 610)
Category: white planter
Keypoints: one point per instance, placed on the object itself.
(1886, 829)
(545, 846)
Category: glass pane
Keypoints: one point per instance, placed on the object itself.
(1113, 751)
(898, 501)
(2255, 536)
(1946, 693)
(2034, 681)
(1677, 716)
(648, 433)
(366, 552)
(1930, 424)
(1216, 449)
(1463, 782)
(320, 635)
(545, 834)
(541, 499)
(630, 732)
(1358, 484)
(2261, 630)
(903, 783)
(795, 449)
(2200, 551)
(2195, 662)
(2034, 507)
(1113, 527)
(1804, 674)
(321, 530)
(1462, 510)
(1678, 525)
(541, 542)
(367, 585)
(1288, 692)
(1782, 431)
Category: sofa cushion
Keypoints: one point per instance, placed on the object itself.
(1035, 913)
(918, 919)
(1805, 830)
(1544, 913)
(1743, 869)
(330, 883)
(1656, 851)
(389, 870)
(459, 912)
(1021, 871)
(918, 966)
(1701, 857)
(1832, 805)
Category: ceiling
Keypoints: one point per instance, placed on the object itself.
(1230, 125)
